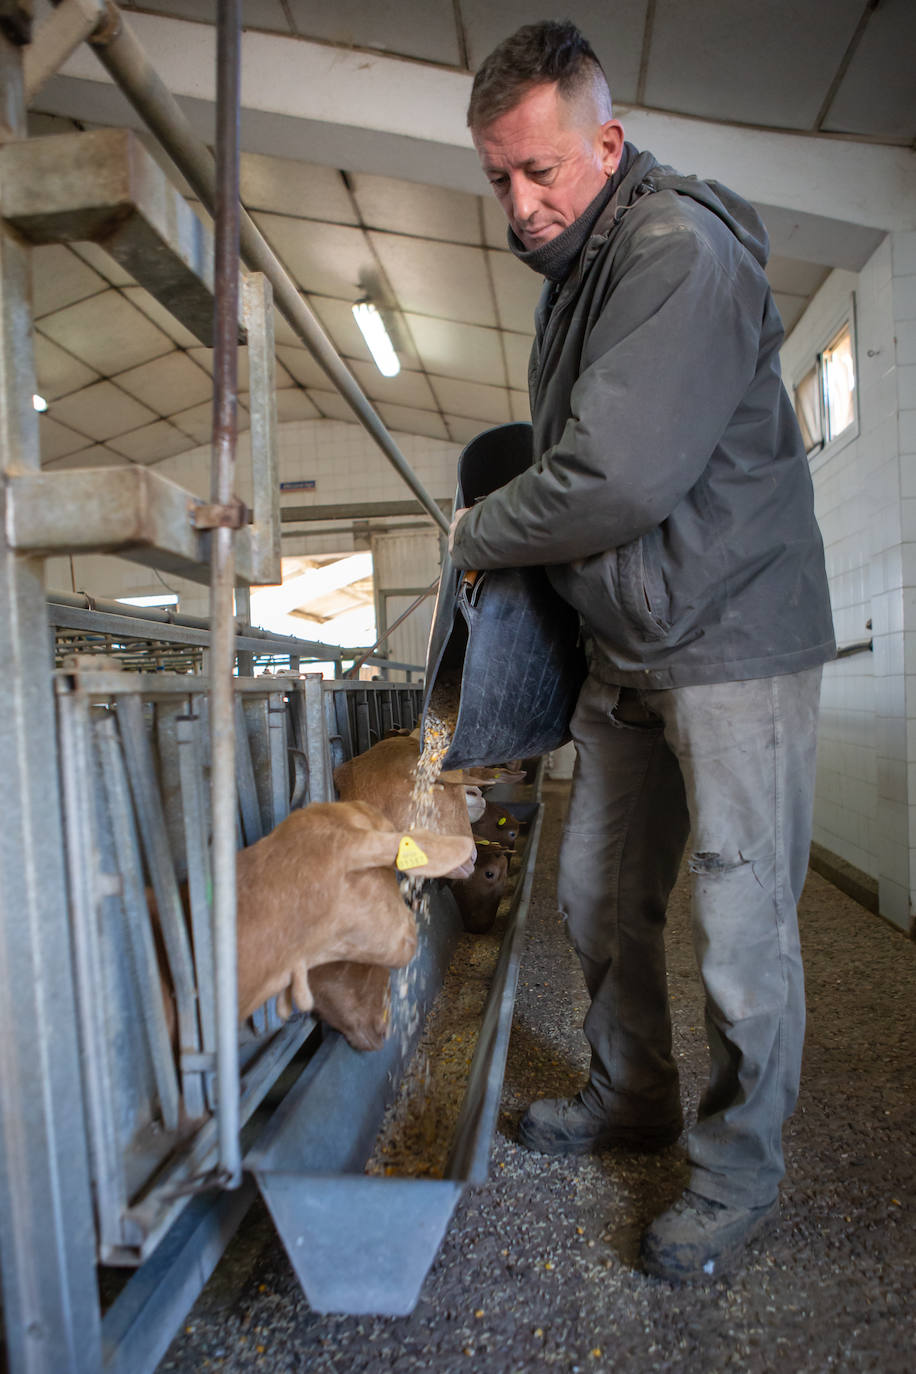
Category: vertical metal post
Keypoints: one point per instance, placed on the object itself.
(321, 785)
(47, 1240)
(222, 570)
(244, 657)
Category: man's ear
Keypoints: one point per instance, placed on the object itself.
(610, 141)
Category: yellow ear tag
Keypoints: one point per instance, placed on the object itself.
(501, 821)
(410, 855)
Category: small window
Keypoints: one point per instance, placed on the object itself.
(839, 375)
(825, 403)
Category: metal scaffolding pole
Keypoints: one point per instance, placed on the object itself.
(47, 1240)
(225, 517)
(122, 55)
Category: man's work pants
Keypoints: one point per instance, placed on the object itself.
(733, 764)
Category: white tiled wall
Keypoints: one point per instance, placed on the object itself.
(865, 491)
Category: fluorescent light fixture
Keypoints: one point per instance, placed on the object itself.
(374, 332)
(164, 600)
(39, 403)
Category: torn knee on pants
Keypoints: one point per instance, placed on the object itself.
(709, 863)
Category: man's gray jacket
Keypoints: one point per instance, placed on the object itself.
(670, 496)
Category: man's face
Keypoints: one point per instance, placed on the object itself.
(546, 160)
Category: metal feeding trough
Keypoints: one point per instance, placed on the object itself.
(360, 1243)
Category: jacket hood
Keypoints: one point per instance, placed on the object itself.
(646, 175)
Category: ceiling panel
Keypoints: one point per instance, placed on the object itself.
(152, 443)
(406, 207)
(414, 28)
(521, 408)
(55, 439)
(471, 399)
(518, 351)
(156, 312)
(446, 279)
(301, 366)
(518, 291)
(168, 384)
(406, 389)
(462, 429)
(284, 333)
(56, 371)
(749, 63)
(102, 411)
(616, 37)
(106, 332)
(331, 259)
(197, 422)
(295, 405)
(495, 224)
(98, 456)
(59, 278)
(256, 14)
(877, 95)
(331, 404)
(457, 350)
(301, 189)
(426, 422)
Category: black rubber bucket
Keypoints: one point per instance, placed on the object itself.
(505, 637)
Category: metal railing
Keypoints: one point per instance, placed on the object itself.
(106, 620)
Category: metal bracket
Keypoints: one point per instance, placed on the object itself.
(233, 516)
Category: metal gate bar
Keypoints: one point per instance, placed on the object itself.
(198, 877)
(78, 762)
(136, 912)
(151, 821)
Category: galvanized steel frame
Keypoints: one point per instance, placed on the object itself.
(119, 802)
(48, 1114)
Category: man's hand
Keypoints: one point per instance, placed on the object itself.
(462, 510)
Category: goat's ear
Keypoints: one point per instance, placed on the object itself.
(480, 777)
(420, 851)
(430, 855)
(372, 848)
(453, 775)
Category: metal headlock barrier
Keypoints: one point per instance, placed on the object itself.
(133, 1125)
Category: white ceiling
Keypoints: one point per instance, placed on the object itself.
(126, 383)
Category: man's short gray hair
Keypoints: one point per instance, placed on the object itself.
(552, 51)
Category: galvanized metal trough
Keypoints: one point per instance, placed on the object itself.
(361, 1243)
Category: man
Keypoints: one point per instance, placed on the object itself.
(671, 502)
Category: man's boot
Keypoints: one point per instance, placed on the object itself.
(701, 1239)
(567, 1126)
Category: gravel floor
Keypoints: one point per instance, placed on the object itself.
(537, 1270)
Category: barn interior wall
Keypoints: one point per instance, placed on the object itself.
(865, 493)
